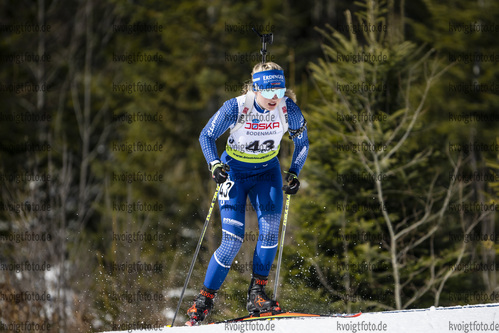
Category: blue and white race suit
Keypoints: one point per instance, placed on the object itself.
(255, 172)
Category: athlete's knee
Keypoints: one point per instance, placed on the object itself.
(231, 240)
(229, 248)
(269, 229)
(268, 239)
(270, 222)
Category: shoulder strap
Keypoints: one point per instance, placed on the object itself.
(283, 114)
(244, 113)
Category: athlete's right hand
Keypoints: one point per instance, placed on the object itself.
(218, 171)
(293, 184)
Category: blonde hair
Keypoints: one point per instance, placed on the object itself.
(260, 67)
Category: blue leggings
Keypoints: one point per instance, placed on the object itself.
(264, 188)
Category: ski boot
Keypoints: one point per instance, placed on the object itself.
(258, 301)
(202, 306)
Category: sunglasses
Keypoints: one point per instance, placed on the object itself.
(270, 93)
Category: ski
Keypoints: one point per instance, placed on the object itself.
(287, 315)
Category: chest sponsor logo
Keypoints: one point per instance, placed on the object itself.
(258, 126)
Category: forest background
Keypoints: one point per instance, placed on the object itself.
(104, 188)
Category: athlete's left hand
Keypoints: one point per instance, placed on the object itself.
(293, 183)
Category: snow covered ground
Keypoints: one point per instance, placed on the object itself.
(466, 319)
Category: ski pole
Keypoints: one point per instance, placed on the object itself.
(206, 222)
(281, 245)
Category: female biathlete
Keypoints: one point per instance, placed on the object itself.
(257, 121)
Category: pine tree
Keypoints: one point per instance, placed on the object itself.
(380, 197)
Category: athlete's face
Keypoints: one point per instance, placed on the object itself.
(268, 104)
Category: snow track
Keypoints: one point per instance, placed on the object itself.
(466, 319)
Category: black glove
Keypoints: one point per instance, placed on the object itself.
(293, 183)
(218, 171)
